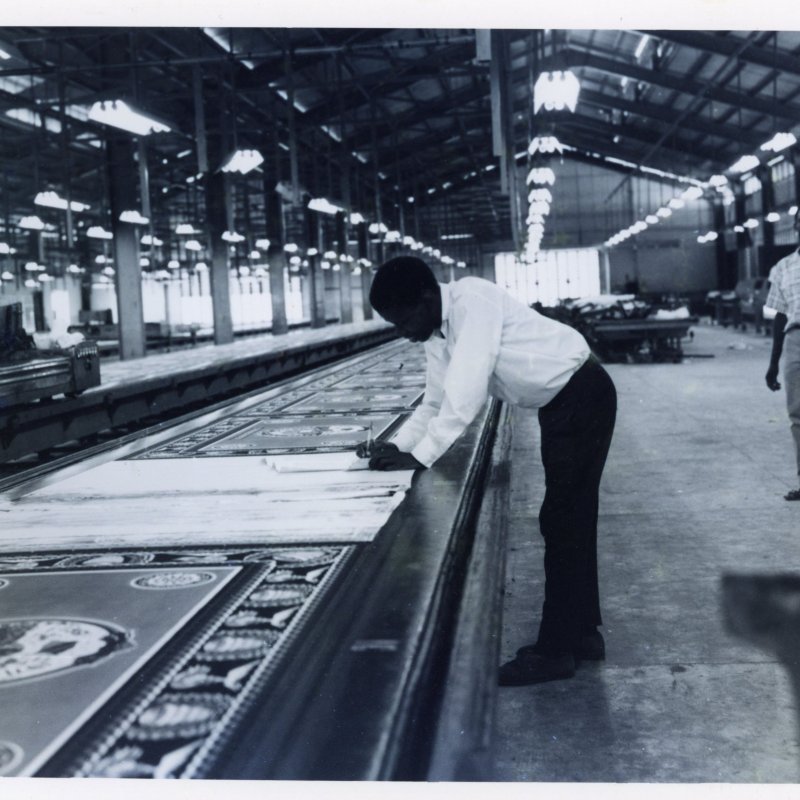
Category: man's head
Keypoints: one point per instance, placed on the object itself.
(404, 292)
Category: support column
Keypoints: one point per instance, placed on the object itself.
(743, 240)
(315, 278)
(765, 259)
(122, 182)
(345, 273)
(719, 246)
(366, 272)
(605, 271)
(216, 225)
(277, 265)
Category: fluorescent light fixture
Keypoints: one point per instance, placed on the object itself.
(45, 278)
(651, 219)
(738, 228)
(329, 255)
(108, 271)
(101, 259)
(676, 202)
(461, 264)
(119, 114)
(693, 193)
(325, 265)
(745, 164)
(193, 244)
(4, 55)
(232, 236)
(98, 232)
(536, 218)
(74, 269)
(134, 218)
(243, 161)
(365, 262)
(290, 247)
(31, 266)
(173, 264)
(541, 175)
(555, 91)
(777, 160)
(32, 283)
(539, 207)
(186, 228)
(640, 47)
(456, 236)
(183, 154)
(545, 144)
(31, 223)
(260, 272)
(201, 266)
(448, 260)
(378, 227)
(324, 206)
(152, 241)
(263, 244)
(52, 200)
(4, 248)
(537, 195)
(358, 219)
(712, 236)
(255, 255)
(664, 212)
(780, 141)
(773, 216)
(717, 180)
(312, 251)
(7, 276)
(295, 261)
(792, 211)
(244, 271)
(144, 261)
(750, 223)
(409, 241)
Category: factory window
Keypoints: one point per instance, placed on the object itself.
(556, 275)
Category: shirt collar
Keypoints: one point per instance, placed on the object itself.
(444, 290)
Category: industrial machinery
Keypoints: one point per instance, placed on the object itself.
(28, 373)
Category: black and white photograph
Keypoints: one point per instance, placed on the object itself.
(400, 399)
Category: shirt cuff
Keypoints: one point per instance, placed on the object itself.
(426, 452)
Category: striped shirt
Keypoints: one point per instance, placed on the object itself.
(784, 292)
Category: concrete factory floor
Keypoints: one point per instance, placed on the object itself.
(692, 490)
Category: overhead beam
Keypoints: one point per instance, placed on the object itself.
(724, 45)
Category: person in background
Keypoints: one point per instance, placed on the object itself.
(480, 342)
(784, 298)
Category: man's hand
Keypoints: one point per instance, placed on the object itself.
(375, 448)
(391, 458)
(772, 377)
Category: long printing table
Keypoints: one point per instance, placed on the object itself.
(177, 608)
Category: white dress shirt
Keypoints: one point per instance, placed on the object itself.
(490, 344)
(784, 290)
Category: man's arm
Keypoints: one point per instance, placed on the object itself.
(778, 325)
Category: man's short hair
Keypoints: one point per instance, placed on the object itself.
(401, 282)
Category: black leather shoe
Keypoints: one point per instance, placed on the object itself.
(591, 647)
(532, 668)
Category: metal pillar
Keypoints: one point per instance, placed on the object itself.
(345, 273)
(122, 182)
(315, 278)
(216, 225)
(743, 240)
(719, 245)
(366, 273)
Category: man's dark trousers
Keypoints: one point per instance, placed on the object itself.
(576, 430)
